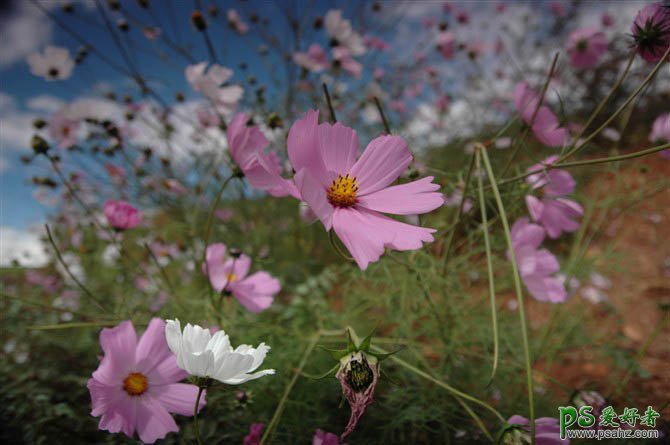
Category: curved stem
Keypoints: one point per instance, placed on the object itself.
(337, 248)
(195, 416)
(382, 115)
(489, 266)
(519, 291)
(280, 407)
(458, 215)
(333, 118)
(208, 224)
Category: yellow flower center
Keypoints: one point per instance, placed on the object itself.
(342, 192)
(135, 384)
(232, 277)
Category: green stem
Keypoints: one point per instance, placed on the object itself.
(617, 158)
(282, 402)
(440, 383)
(489, 265)
(458, 215)
(518, 289)
(333, 118)
(195, 416)
(637, 91)
(383, 116)
(210, 217)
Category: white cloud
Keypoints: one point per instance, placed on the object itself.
(22, 246)
(44, 103)
(24, 31)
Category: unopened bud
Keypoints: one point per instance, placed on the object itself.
(39, 145)
(114, 5)
(235, 253)
(198, 21)
(123, 25)
(39, 123)
(143, 3)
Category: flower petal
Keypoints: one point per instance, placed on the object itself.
(119, 344)
(303, 146)
(383, 160)
(339, 147)
(153, 422)
(314, 194)
(179, 398)
(406, 199)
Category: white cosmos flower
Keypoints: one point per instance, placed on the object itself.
(54, 64)
(209, 81)
(205, 355)
(340, 29)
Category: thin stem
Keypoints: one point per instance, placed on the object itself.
(383, 116)
(44, 306)
(337, 248)
(489, 265)
(282, 402)
(69, 272)
(208, 224)
(458, 215)
(195, 416)
(518, 289)
(82, 324)
(440, 383)
(608, 96)
(617, 158)
(333, 118)
(637, 91)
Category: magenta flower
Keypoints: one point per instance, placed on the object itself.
(229, 274)
(262, 170)
(446, 44)
(255, 434)
(349, 191)
(651, 31)
(545, 124)
(135, 386)
(121, 215)
(585, 47)
(553, 211)
(537, 267)
(358, 376)
(547, 431)
(325, 438)
(314, 60)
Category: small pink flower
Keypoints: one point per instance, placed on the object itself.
(325, 438)
(376, 43)
(442, 103)
(262, 170)
(255, 292)
(255, 434)
(607, 20)
(537, 267)
(116, 173)
(135, 387)
(349, 192)
(151, 32)
(545, 124)
(651, 31)
(547, 430)
(343, 58)
(446, 44)
(63, 130)
(208, 118)
(586, 47)
(314, 60)
(236, 22)
(121, 215)
(660, 130)
(557, 7)
(209, 81)
(378, 73)
(225, 214)
(553, 211)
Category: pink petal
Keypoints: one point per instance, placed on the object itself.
(241, 266)
(339, 147)
(358, 235)
(153, 420)
(384, 159)
(179, 398)
(119, 345)
(535, 207)
(256, 293)
(303, 146)
(314, 194)
(152, 348)
(406, 199)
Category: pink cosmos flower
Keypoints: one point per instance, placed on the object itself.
(343, 58)
(607, 20)
(545, 125)
(236, 22)
(349, 192)
(208, 118)
(547, 431)
(122, 215)
(255, 292)
(585, 47)
(553, 211)
(262, 170)
(446, 44)
(314, 60)
(225, 214)
(135, 387)
(537, 267)
(376, 43)
(255, 434)
(63, 129)
(660, 132)
(325, 438)
(557, 7)
(209, 83)
(378, 73)
(651, 31)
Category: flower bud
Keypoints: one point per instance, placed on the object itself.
(198, 21)
(39, 145)
(39, 123)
